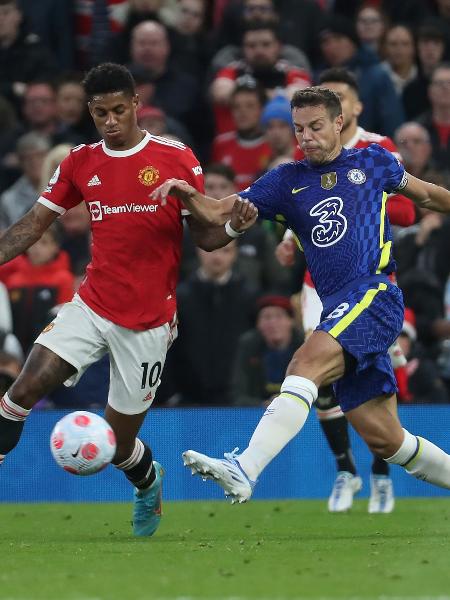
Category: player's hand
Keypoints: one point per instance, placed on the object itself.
(243, 215)
(285, 253)
(173, 187)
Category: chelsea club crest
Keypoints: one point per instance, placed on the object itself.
(356, 176)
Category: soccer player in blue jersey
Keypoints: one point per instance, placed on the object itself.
(335, 202)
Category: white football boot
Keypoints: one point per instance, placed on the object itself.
(227, 472)
(344, 488)
(381, 494)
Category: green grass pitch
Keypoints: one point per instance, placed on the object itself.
(211, 550)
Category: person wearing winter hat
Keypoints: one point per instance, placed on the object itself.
(276, 120)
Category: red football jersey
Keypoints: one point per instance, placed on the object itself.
(247, 158)
(136, 242)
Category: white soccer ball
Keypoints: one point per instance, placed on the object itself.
(83, 443)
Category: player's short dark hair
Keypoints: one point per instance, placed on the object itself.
(222, 170)
(108, 78)
(316, 96)
(339, 75)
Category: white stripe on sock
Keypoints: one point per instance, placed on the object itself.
(135, 457)
(12, 411)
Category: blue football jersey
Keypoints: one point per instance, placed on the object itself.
(337, 211)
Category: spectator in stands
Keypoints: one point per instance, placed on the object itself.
(52, 21)
(8, 341)
(175, 92)
(431, 49)
(400, 57)
(39, 108)
(276, 120)
(261, 50)
(41, 281)
(74, 122)
(190, 45)
(215, 307)
(413, 142)
(437, 119)
(19, 198)
(339, 44)
(10, 131)
(262, 11)
(23, 58)
(263, 353)
(244, 149)
(423, 384)
(371, 24)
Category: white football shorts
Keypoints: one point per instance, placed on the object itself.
(81, 337)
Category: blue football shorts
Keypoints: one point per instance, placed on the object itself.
(365, 318)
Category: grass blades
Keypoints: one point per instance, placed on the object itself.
(211, 550)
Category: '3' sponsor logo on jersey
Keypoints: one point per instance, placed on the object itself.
(332, 223)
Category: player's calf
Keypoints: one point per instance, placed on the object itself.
(423, 460)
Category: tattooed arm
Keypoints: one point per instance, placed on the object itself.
(20, 236)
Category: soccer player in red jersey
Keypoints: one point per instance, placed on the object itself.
(401, 211)
(126, 304)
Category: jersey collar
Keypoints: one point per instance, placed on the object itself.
(130, 151)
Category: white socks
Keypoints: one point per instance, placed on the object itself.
(423, 460)
(12, 411)
(283, 419)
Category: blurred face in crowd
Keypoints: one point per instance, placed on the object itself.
(439, 89)
(275, 325)
(261, 48)
(218, 186)
(337, 49)
(413, 142)
(10, 18)
(369, 25)
(246, 110)
(70, 102)
(317, 133)
(430, 52)
(31, 163)
(150, 46)
(399, 47)
(39, 106)
(444, 8)
(258, 9)
(351, 105)
(191, 16)
(44, 250)
(114, 116)
(279, 136)
(219, 262)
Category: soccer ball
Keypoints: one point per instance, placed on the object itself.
(83, 443)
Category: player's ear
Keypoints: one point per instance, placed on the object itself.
(135, 101)
(339, 123)
(357, 108)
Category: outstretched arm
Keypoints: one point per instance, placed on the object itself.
(23, 234)
(211, 237)
(205, 209)
(427, 195)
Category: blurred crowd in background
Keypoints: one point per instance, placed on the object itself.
(218, 75)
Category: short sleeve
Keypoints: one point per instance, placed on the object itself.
(61, 194)
(266, 193)
(191, 171)
(393, 171)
